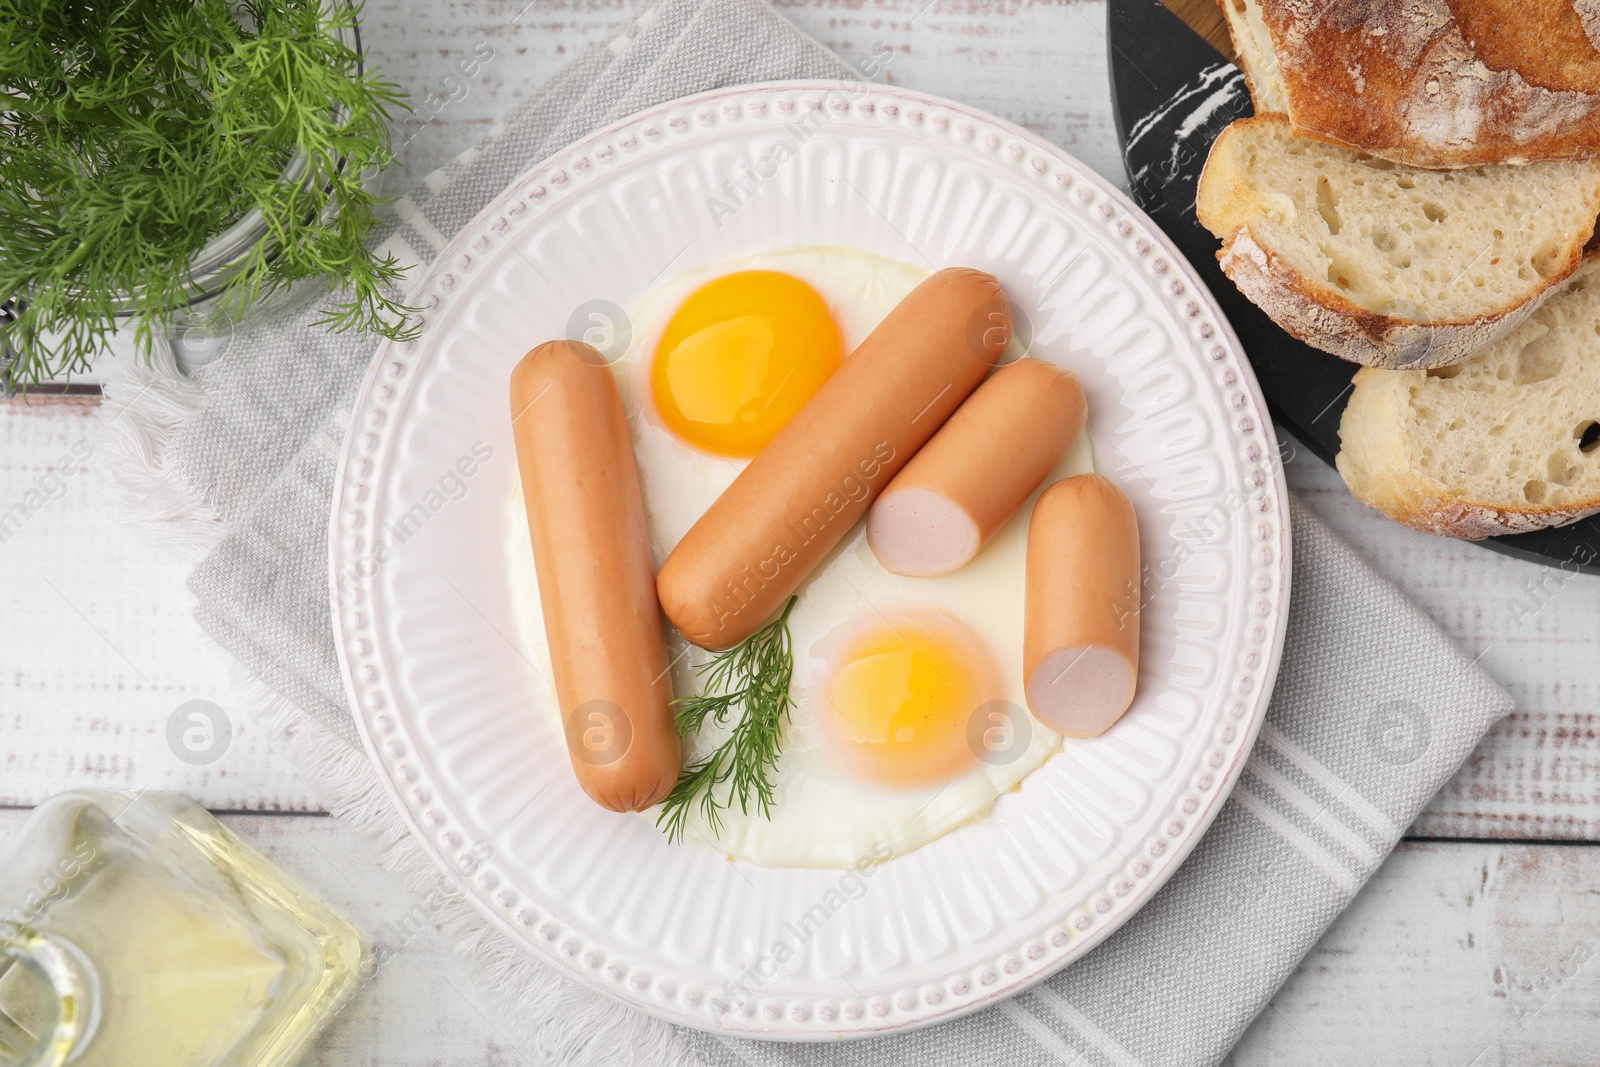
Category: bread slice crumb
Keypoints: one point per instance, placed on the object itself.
(1507, 442)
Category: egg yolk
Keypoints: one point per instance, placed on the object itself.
(902, 698)
(740, 357)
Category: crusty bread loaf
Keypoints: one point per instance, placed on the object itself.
(1384, 265)
(1429, 83)
(1505, 443)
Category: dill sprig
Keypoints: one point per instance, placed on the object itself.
(753, 676)
(135, 132)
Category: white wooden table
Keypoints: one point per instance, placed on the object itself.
(1474, 944)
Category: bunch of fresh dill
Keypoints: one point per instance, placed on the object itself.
(132, 132)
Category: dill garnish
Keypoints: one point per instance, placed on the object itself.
(754, 677)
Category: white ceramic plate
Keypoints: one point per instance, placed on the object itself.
(426, 629)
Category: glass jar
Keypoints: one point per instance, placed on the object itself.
(136, 929)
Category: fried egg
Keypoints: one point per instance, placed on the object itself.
(909, 717)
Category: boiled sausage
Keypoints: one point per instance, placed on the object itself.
(963, 485)
(1080, 650)
(596, 576)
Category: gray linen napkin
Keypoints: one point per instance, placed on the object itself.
(1373, 710)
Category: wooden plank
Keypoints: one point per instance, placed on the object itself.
(1537, 774)
(78, 392)
(1040, 63)
(99, 648)
(1455, 955)
(1205, 17)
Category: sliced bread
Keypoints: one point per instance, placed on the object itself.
(1505, 443)
(1385, 265)
(1428, 83)
(1258, 57)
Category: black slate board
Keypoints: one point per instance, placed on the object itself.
(1172, 94)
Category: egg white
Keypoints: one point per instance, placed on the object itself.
(822, 815)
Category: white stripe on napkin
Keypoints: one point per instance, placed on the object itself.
(1325, 861)
(1341, 790)
(1063, 1009)
(407, 211)
(1321, 816)
(1030, 1024)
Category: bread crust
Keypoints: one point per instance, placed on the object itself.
(1374, 463)
(1399, 78)
(1545, 41)
(1324, 318)
(1320, 315)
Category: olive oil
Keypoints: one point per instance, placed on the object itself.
(140, 932)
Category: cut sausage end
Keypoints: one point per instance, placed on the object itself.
(1081, 691)
(920, 533)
